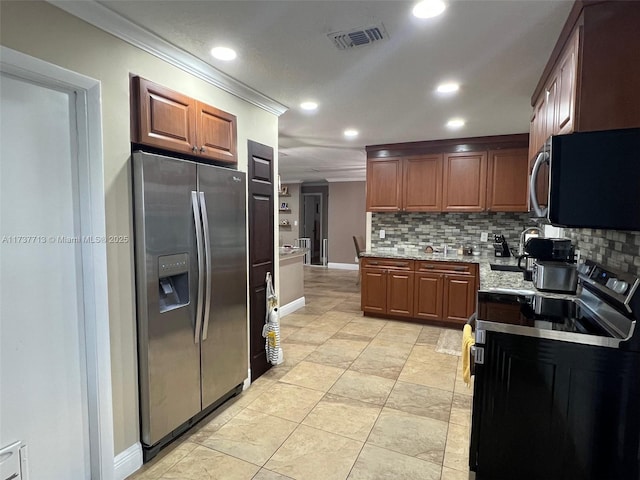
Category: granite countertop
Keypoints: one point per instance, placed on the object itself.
(292, 252)
(489, 279)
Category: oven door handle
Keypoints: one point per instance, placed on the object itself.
(543, 157)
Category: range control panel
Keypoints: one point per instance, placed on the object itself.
(620, 285)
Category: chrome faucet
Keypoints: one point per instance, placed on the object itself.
(524, 232)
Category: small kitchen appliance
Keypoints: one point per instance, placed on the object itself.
(557, 255)
(500, 246)
(560, 277)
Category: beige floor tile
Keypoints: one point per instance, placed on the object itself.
(461, 410)
(362, 329)
(382, 347)
(286, 330)
(427, 355)
(265, 474)
(360, 386)
(166, 459)
(298, 319)
(313, 375)
(205, 464)
(312, 454)
(456, 454)
(251, 436)
(429, 335)
(337, 352)
(436, 376)
(294, 353)
(401, 335)
(213, 422)
(460, 386)
(376, 463)
(287, 401)
(310, 336)
(451, 474)
(420, 400)
(381, 366)
(276, 372)
(410, 434)
(348, 336)
(344, 416)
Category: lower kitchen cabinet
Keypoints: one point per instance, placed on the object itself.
(421, 290)
(387, 286)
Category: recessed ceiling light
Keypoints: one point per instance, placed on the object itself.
(428, 8)
(309, 105)
(455, 123)
(350, 133)
(223, 53)
(448, 87)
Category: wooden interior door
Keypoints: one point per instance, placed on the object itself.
(261, 249)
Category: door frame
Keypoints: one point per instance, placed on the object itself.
(321, 212)
(91, 195)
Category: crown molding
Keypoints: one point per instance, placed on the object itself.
(101, 17)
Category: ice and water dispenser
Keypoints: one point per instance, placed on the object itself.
(173, 273)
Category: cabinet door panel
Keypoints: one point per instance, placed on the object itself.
(428, 296)
(423, 184)
(465, 182)
(373, 291)
(165, 119)
(459, 298)
(216, 134)
(567, 88)
(400, 293)
(507, 180)
(552, 108)
(384, 185)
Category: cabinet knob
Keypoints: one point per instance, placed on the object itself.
(202, 149)
(194, 149)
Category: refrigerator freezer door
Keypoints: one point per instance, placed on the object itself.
(224, 338)
(169, 360)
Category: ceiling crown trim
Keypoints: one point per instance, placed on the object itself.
(101, 17)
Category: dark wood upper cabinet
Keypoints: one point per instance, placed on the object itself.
(169, 120)
(591, 79)
(507, 178)
(165, 119)
(384, 185)
(422, 184)
(216, 133)
(464, 182)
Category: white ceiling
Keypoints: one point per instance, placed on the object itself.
(495, 49)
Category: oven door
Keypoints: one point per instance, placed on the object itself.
(539, 183)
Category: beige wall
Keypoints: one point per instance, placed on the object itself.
(347, 217)
(46, 32)
(288, 235)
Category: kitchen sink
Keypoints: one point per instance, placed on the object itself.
(505, 268)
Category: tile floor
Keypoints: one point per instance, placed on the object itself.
(356, 398)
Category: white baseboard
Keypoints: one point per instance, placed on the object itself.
(344, 266)
(127, 462)
(292, 307)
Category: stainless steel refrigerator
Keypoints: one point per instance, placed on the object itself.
(191, 282)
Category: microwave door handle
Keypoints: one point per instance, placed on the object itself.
(198, 224)
(539, 211)
(208, 253)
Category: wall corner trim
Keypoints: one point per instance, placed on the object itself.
(127, 462)
(343, 266)
(105, 19)
(292, 307)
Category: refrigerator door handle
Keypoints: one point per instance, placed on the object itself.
(198, 224)
(207, 247)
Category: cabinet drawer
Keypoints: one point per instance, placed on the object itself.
(458, 268)
(388, 263)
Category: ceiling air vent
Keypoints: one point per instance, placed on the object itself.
(358, 37)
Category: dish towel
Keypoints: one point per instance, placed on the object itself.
(467, 343)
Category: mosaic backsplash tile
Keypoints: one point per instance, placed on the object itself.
(615, 249)
(417, 230)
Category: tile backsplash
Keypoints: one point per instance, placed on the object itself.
(417, 230)
(612, 248)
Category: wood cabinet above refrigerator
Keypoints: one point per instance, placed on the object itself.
(165, 119)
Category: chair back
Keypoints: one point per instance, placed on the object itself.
(358, 242)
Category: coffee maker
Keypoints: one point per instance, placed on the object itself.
(550, 264)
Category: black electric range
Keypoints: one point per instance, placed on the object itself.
(557, 382)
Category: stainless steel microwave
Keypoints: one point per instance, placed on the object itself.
(588, 180)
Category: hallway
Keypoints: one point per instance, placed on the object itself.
(356, 398)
